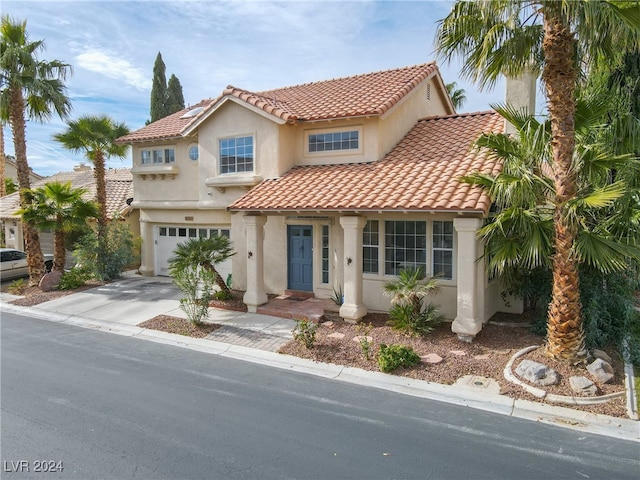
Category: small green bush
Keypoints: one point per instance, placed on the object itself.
(403, 317)
(195, 284)
(392, 357)
(305, 332)
(17, 287)
(364, 330)
(222, 295)
(74, 278)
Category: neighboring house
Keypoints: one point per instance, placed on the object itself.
(328, 185)
(11, 171)
(119, 199)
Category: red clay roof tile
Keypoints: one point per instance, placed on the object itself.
(420, 174)
(361, 95)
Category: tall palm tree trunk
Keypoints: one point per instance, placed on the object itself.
(3, 162)
(35, 259)
(565, 334)
(59, 250)
(101, 192)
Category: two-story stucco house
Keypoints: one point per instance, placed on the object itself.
(335, 184)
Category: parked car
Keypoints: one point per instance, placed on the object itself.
(14, 263)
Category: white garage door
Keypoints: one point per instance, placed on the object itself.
(168, 238)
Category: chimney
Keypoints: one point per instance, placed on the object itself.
(81, 168)
(521, 94)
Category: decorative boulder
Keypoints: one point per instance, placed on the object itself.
(583, 386)
(50, 281)
(602, 355)
(537, 373)
(601, 371)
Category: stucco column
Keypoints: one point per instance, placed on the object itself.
(352, 309)
(468, 321)
(255, 294)
(147, 257)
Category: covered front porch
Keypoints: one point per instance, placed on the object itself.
(324, 255)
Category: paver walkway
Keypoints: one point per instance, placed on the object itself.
(247, 338)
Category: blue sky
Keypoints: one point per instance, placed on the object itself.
(255, 45)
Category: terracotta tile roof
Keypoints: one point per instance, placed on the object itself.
(171, 126)
(368, 94)
(420, 174)
(119, 189)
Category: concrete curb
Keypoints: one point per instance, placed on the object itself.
(454, 394)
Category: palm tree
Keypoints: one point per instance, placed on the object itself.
(61, 208)
(457, 95)
(203, 253)
(555, 38)
(95, 136)
(33, 88)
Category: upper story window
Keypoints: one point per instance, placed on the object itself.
(236, 155)
(158, 156)
(333, 141)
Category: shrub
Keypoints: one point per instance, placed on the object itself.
(364, 329)
(17, 286)
(74, 278)
(223, 295)
(409, 312)
(394, 356)
(109, 258)
(305, 332)
(196, 284)
(338, 295)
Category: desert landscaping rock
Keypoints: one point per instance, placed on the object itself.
(50, 281)
(602, 355)
(583, 386)
(336, 335)
(502, 351)
(328, 324)
(601, 371)
(459, 353)
(537, 373)
(432, 358)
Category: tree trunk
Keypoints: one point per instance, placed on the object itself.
(565, 335)
(101, 191)
(217, 277)
(3, 160)
(35, 260)
(59, 250)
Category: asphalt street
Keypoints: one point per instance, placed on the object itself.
(95, 405)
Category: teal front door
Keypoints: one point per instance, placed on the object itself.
(300, 257)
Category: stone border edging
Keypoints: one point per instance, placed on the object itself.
(629, 383)
(551, 397)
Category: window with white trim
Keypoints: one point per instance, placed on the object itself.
(334, 140)
(236, 155)
(370, 245)
(443, 249)
(158, 156)
(405, 246)
(325, 254)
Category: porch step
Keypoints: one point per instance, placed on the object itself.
(299, 294)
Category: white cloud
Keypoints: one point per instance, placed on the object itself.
(113, 67)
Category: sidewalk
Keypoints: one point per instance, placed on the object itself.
(121, 306)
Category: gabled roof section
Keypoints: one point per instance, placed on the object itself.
(119, 190)
(171, 126)
(360, 95)
(420, 174)
(371, 94)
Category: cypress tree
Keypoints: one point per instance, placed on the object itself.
(175, 99)
(158, 90)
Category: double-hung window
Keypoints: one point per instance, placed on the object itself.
(443, 249)
(370, 245)
(236, 155)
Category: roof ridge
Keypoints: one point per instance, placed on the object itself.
(347, 77)
(459, 115)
